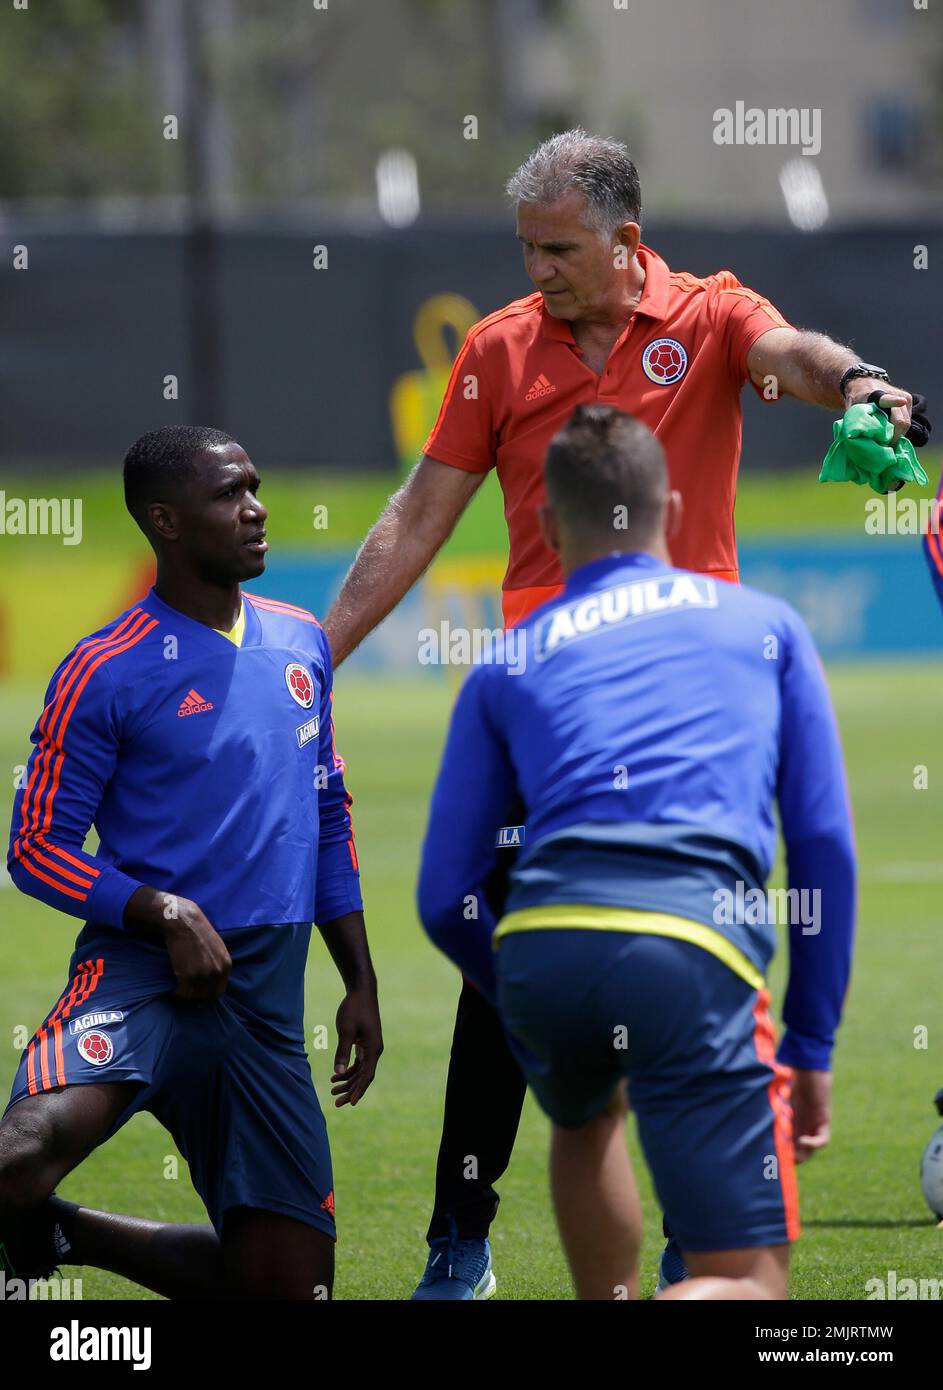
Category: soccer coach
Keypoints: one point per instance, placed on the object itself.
(609, 323)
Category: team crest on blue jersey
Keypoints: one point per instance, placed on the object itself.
(664, 361)
(300, 683)
(96, 1047)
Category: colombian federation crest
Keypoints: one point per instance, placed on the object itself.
(96, 1047)
(664, 361)
(300, 684)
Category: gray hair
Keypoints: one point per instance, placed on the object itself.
(602, 170)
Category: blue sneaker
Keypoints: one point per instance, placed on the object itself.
(671, 1266)
(457, 1270)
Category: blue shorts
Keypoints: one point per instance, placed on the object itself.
(585, 1009)
(230, 1080)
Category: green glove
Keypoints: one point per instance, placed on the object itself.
(861, 452)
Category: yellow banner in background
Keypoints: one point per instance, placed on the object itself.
(48, 603)
(416, 396)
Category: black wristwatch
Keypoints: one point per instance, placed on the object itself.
(860, 369)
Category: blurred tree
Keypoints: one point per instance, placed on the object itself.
(70, 104)
(321, 94)
(301, 100)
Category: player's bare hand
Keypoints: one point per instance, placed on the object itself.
(197, 952)
(358, 1032)
(893, 399)
(811, 1112)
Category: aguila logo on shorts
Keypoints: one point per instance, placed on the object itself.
(96, 1047)
(99, 1019)
(300, 684)
(664, 361)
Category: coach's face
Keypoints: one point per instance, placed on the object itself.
(579, 273)
(220, 520)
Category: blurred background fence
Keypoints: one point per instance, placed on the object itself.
(281, 219)
(335, 359)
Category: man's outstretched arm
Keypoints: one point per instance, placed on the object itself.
(809, 366)
(416, 522)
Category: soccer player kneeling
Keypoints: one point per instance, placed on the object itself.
(648, 718)
(195, 731)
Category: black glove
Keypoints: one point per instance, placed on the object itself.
(920, 427)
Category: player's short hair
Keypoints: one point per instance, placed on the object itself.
(161, 461)
(606, 476)
(601, 169)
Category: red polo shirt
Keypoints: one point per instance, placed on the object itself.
(678, 366)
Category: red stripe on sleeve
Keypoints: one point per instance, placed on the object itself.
(64, 724)
(48, 716)
(69, 858)
(25, 852)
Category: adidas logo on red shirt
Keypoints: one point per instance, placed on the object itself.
(541, 387)
(193, 704)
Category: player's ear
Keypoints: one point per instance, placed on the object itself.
(549, 527)
(162, 520)
(674, 510)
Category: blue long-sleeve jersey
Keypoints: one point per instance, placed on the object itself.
(209, 771)
(650, 719)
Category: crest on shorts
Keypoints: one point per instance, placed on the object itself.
(664, 361)
(96, 1047)
(300, 683)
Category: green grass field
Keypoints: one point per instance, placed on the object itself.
(862, 1209)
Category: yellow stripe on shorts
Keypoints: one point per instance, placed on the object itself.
(592, 917)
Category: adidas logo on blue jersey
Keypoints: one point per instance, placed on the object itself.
(626, 603)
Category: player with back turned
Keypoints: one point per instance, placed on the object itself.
(196, 732)
(609, 323)
(655, 720)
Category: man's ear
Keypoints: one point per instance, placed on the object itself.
(674, 511)
(629, 235)
(549, 527)
(163, 522)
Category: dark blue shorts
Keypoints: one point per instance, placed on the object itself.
(585, 1009)
(230, 1080)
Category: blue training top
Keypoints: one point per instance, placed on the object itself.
(650, 718)
(209, 771)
